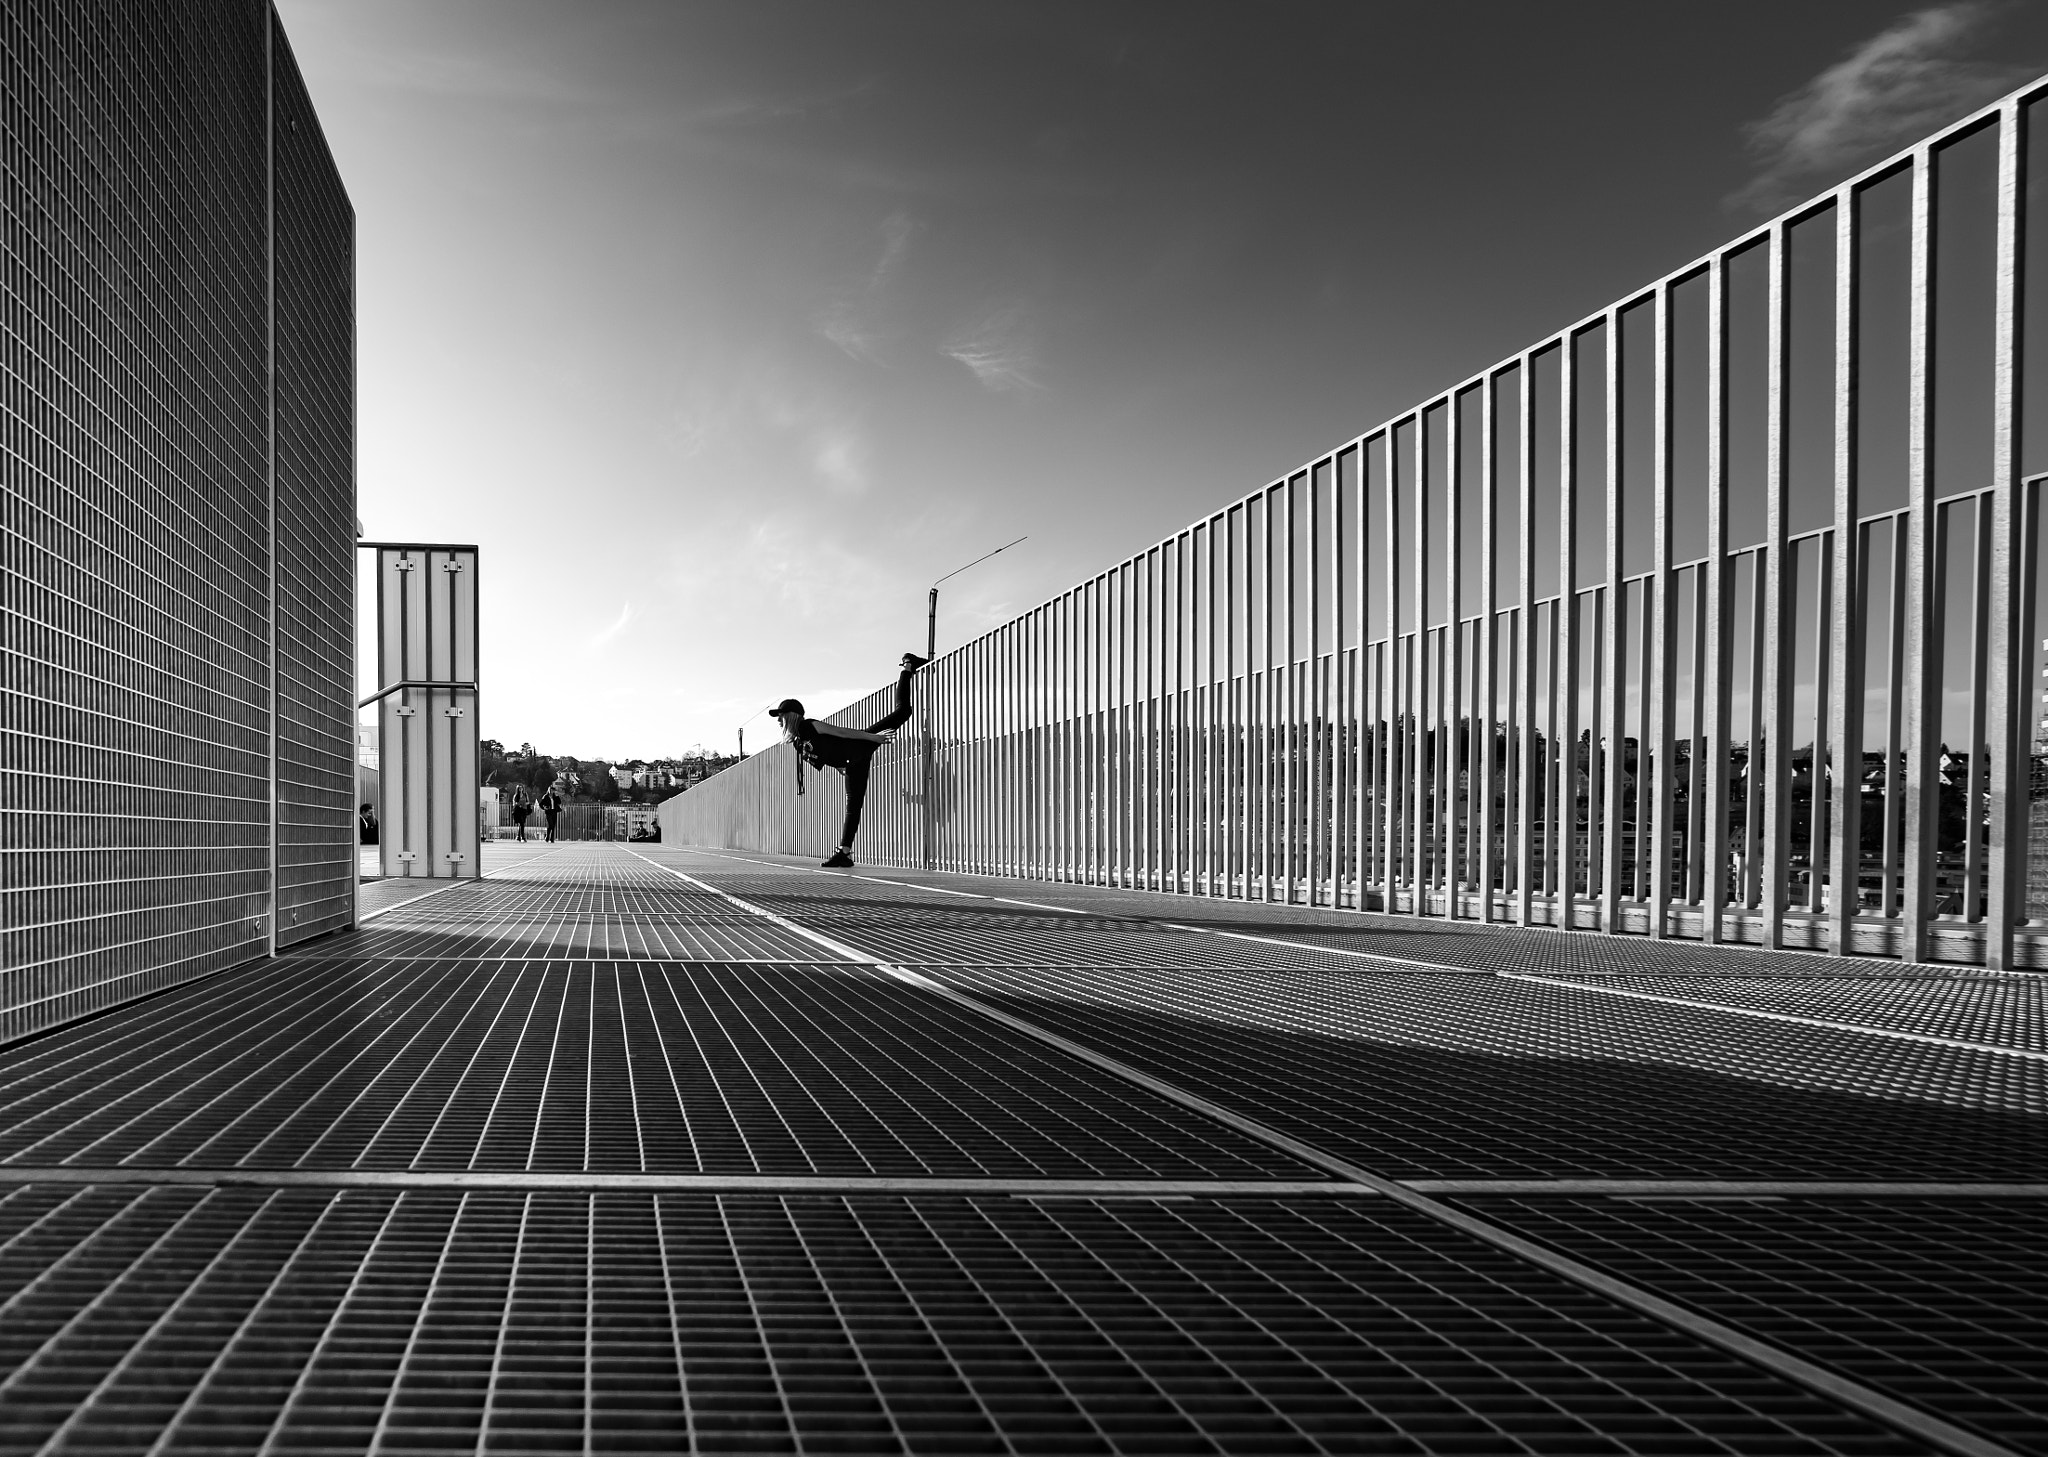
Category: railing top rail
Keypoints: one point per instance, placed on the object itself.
(1761, 233)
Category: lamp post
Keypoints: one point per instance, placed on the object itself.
(931, 623)
(931, 651)
(743, 730)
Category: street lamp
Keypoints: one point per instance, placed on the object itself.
(743, 730)
(931, 651)
(931, 625)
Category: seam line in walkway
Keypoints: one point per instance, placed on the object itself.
(1409, 963)
(16, 1175)
(1872, 1403)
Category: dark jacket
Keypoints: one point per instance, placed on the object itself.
(828, 746)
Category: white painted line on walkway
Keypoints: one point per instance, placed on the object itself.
(1768, 1016)
(1854, 1394)
(1998, 1049)
(1884, 1189)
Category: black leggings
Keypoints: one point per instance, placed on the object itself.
(857, 771)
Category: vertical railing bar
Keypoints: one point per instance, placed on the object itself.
(1080, 756)
(1364, 740)
(1393, 794)
(1845, 715)
(1070, 798)
(1482, 740)
(1780, 567)
(1400, 698)
(1978, 782)
(1823, 685)
(1452, 817)
(1211, 818)
(1312, 817)
(1564, 799)
(1717, 668)
(1183, 552)
(1420, 682)
(1337, 713)
(1753, 816)
(1290, 691)
(1105, 746)
(2007, 700)
(1006, 773)
(1613, 712)
(1525, 803)
(1897, 726)
(1268, 710)
(1643, 823)
(1698, 818)
(999, 683)
(1148, 722)
(1325, 822)
(989, 836)
(1158, 835)
(1238, 543)
(1923, 605)
(2028, 705)
(1101, 793)
(1043, 759)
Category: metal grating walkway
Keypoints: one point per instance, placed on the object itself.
(644, 1149)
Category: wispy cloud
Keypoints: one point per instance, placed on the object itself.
(762, 110)
(999, 348)
(858, 321)
(1901, 83)
(618, 626)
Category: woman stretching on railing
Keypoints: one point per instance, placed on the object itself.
(850, 751)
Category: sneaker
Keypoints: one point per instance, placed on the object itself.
(912, 662)
(840, 861)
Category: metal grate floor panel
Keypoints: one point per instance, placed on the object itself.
(1506, 1080)
(1943, 1301)
(427, 1186)
(313, 1063)
(298, 1322)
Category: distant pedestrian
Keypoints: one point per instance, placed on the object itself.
(551, 806)
(366, 825)
(850, 751)
(522, 807)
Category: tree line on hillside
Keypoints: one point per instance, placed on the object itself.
(596, 781)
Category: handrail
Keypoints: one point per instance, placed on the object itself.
(450, 685)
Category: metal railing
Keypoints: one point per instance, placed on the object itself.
(1523, 652)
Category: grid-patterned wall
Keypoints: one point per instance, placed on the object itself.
(1716, 614)
(316, 502)
(135, 749)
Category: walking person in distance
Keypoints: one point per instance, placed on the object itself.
(522, 808)
(551, 806)
(850, 751)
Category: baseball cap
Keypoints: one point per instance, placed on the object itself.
(788, 705)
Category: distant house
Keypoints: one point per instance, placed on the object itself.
(624, 821)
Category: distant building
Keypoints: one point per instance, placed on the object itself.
(624, 821)
(366, 745)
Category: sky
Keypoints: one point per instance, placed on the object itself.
(723, 329)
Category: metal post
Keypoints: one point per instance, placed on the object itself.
(1613, 712)
(2007, 699)
(1923, 604)
(1656, 767)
